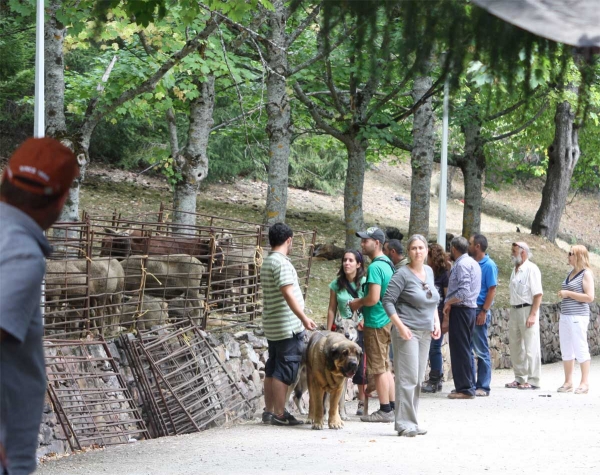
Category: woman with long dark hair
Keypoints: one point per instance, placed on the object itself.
(439, 262)
(346, 287)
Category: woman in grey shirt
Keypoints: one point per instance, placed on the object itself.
(411, 303)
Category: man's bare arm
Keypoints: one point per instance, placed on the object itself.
(288, 295)
(369, 300)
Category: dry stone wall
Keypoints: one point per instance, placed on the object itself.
(549, 317)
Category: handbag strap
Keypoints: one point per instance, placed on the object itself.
(352, 291)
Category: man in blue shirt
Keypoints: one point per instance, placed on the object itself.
(460, 309)
(489, 280)
(34, 188)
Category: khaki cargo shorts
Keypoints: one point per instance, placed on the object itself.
(377, 348)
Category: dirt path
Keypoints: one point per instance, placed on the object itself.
(511, 432)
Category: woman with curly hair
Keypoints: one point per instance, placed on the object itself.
(439, 262)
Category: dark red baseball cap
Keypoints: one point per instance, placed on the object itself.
(42, 166)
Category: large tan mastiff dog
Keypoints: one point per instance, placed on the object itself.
(330, 358)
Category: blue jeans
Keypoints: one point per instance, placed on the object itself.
(481, 348)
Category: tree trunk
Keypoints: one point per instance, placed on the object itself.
(54, 91)
(80, 146)
(54, 81)
(472, 166)
(451, 174)
(279, 126)
(421, 159)
(192, 162)
(353, 191)
(563, 155)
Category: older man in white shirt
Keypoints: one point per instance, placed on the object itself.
(524, 323)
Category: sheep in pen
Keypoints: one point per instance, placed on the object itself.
(230, 257)
(108, 282)
(114, 296)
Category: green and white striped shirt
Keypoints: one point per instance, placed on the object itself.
(279, 322)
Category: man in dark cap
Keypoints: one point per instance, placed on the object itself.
(377, 325)
(34, 188)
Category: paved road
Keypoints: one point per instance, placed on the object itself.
(511, 432)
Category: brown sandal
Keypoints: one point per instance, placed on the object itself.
(513, 385)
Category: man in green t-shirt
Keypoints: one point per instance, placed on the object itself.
(377, 325)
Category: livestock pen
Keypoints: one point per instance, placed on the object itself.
(111, 274)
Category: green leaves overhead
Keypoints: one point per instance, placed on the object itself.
(456, 31)
(496, 63)
(153, 11)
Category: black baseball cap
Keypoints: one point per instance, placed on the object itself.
(372, 233)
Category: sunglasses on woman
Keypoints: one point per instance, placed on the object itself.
(429, 294)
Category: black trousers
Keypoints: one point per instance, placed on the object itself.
(460, 332)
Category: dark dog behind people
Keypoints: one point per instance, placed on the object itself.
(330, 358)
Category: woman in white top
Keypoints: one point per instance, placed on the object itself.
(577, 293)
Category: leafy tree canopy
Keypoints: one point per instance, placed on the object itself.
(459, 30)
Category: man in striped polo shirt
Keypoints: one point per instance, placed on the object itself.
(284, 322)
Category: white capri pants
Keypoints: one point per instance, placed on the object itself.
(572, 331)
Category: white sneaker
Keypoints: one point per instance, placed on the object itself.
(379, 416)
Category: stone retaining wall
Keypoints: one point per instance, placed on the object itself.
(549, 317)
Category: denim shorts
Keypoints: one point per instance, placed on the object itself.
(285, 357)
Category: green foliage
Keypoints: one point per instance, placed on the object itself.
(17, 73)
(318, 163)
(370, 102)
(24, 8)
(586, 175)
(461, 31)
(135, 134)
(152, 11)
(127, 142)
(166, 167)
(230, 157)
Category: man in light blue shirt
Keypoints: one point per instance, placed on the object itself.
(489, 280)
(460, 309)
